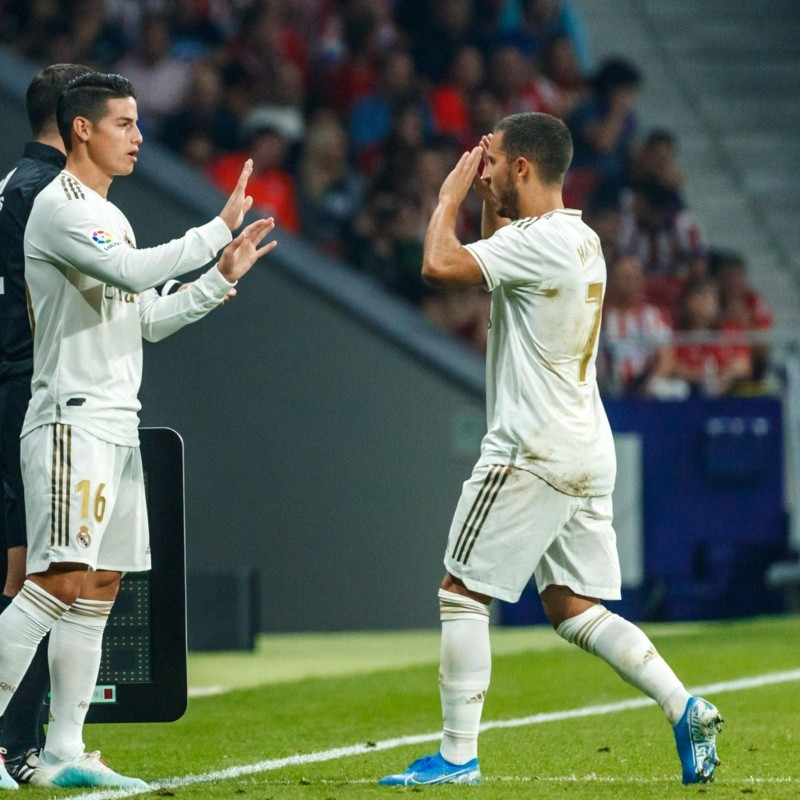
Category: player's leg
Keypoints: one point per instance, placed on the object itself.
(492, 551)
(581, 566)
(45, 596)
(117, 526)
(22, 724)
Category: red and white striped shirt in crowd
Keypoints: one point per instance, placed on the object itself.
(632, 336)
(663, 250)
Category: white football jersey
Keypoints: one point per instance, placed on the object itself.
(547, 276)
(92, 302)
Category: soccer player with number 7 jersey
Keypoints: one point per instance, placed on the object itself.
(538, 503)
(91, 302)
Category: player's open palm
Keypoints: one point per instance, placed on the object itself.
(239, 202)
(458, 182)
(240, 255)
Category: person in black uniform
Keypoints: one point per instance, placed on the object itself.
(21, 734)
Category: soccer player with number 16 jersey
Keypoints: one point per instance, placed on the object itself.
(91, 302)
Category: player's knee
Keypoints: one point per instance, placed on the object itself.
(453, 606)
(560, 604)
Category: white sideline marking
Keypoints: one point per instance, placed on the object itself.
(590, 778)
(206, 691)
(389, 744)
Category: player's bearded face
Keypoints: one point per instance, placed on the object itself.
(507, 196)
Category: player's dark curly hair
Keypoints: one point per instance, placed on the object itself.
(87, 96)
(542, 139)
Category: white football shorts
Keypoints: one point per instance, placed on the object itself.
(84, 501)
(510, 525)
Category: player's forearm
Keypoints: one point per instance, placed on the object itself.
(441, 244)
(491, 221)
(162, 316)
(116, 264)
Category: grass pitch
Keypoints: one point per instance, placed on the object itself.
(305, 694)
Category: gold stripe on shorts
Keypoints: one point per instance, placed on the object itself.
(504, 475)
(53, 488)
(479, 512)
(476, 503)
(68, 484)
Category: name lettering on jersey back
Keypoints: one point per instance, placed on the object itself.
(588, 249)
(112, 293)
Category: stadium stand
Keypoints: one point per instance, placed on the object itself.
(414, 88)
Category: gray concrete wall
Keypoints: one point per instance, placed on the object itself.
(327, 426)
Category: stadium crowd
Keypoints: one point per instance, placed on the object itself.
(354, 111)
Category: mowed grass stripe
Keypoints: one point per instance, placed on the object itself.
(269, 765)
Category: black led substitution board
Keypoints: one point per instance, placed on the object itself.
(143, 668)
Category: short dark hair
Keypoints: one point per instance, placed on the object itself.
(542, 139)
(42, 95)
(87, 96)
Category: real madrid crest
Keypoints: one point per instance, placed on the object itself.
(83, 538)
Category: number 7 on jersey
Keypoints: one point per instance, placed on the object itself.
(594, 294)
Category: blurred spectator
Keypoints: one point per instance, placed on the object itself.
(449, 101)
(528, 24)
(372, 246)
(606, 222)
(656, 161)
(161, 81)
(269, 132)
(196, 31)
(263, 43)
(517, 85)
(391, 165)
(709, 369)
(202, 115)
(560, 66)
(604, 126)
(636, 335)
(351, 59)
(741, 304)
(330, 191)
(440, 28)
(484, 114)
(370, 120)
(666, 238)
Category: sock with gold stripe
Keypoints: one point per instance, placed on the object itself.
(75, 651)
(26, 621)
(626, 648)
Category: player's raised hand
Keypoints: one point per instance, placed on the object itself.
(239, 202)
(480, 182)
(240, 255)
(458, 182)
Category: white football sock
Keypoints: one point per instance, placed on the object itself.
(464, 673)
(74, 652)
(626, 648)
(23, 625)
